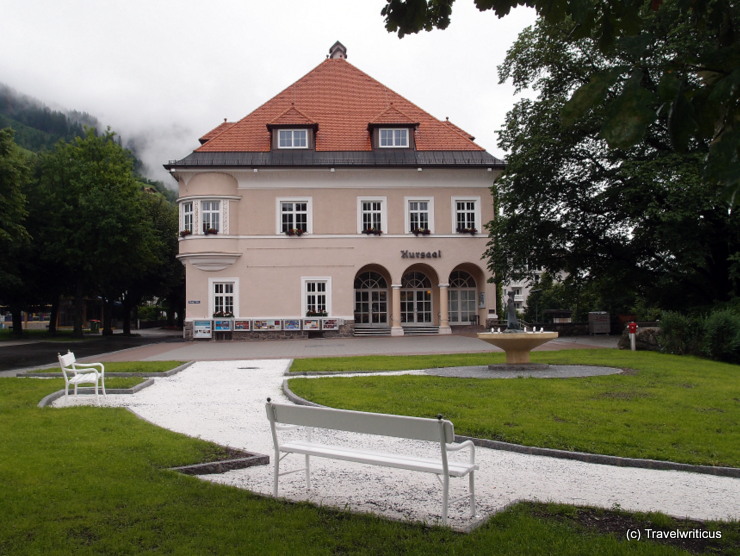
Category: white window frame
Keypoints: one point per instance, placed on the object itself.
(476, 211)
(393, 138)
(305, 281)
(218, 212)
(383, 211)
(290, 136)
(279, 213)
(187, 216)
(212, 282)
(407, 212)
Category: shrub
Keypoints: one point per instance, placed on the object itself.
(680, 334)
(722, 336)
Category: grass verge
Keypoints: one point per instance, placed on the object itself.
(670, 408)
(127, 367)
(88, 480)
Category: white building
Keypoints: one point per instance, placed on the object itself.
(337, 205)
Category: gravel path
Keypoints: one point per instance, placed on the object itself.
(223, 401)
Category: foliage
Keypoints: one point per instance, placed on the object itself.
(695, 92)
(680, 334)
(93, 480)
(722, 336)
(38, 127)
(91, 218)
(15, 172)
(716, 335)
(666, 407)
(640, 221)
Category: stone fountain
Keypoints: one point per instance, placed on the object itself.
(516, 342)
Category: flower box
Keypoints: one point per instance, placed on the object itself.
(471, 231)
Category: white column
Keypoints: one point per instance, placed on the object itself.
(396, 329)
(444, 309)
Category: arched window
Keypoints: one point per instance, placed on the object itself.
(416, 299)
(371, 299)
(462, 296)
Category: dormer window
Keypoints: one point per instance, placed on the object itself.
(393, 138)
(292, 138)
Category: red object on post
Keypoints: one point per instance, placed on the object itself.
(632, 327)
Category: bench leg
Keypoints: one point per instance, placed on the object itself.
(445, 498)
(308, 473)
(276, 474)
(472, 493)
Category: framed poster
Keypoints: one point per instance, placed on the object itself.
(330, 324)
(267, 324)
(311, 324)
(242, 325)
(292, 324)
(202, 329)
(222, 325)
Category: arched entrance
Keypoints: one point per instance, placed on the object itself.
(371, 299)
(463, 296)
(416, 299)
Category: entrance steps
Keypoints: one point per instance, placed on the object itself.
(364, 331)
(420, 330)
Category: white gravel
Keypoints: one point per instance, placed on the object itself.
(223, 401)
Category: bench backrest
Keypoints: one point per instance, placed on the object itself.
(67, 360)
(400, 426)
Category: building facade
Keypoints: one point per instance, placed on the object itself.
(337, 207)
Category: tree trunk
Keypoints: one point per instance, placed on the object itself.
(79, 309)
(107, 317)
(53, 316)
(17, 321)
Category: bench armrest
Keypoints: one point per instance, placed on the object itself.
(88, 365)
(466, 444)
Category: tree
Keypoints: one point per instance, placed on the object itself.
(93, 227)
(696, 92)
(14, 176)
(641, 219)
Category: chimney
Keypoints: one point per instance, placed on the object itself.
(338, 50)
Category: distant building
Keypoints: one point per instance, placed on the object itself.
(336, 206)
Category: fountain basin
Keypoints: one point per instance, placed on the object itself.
(517, 345)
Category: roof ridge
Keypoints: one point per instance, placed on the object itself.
(343, 100)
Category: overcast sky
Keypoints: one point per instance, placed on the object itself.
(168, 71)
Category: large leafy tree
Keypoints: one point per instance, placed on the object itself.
(14, 237)
(641, 218)
(92, 220)
(695, 91)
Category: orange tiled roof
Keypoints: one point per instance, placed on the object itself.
(342, 101)
(215, 131)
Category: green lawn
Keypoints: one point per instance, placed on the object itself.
(127, 367)
(89, 480)
(672, 408)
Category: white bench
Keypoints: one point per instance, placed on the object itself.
(439, 431)
(81, 373)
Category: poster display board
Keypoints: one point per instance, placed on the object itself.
(222, 325)
(330, 324)
(242, 325)
(202, 329)
(267, 324)
(292, 324)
